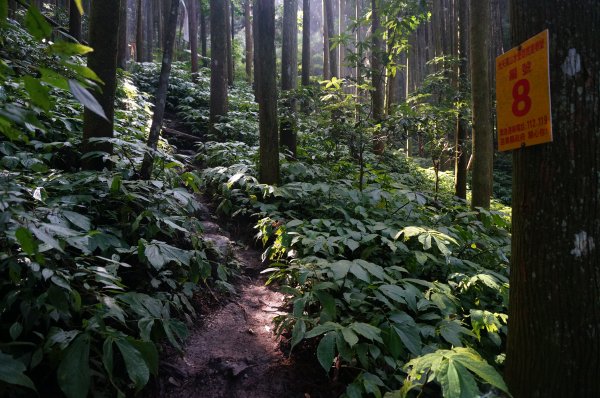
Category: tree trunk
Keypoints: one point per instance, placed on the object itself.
(149, 24)
(553, 346)
(460, 159)
(229, 43)
(193, 26)
(140, 33)
(483, 149)
(255, 43)
(269, 140)
(249, 39)
(377, 72)
(161, 93)
(75, 22)
(326, 60)
(218, 49)
(289, 72)
(104, 33)
(123, 52)
(341, 31)
(203, 35)
(306, 42)
(333, 59)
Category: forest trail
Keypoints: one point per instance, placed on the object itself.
(232, 351)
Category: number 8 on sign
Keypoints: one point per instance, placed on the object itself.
(521, 100)
(523, 95)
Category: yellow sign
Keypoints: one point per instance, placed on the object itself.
(523, 95)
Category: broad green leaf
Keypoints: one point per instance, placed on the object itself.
(12, 372)
(453, 387)
(149, 353)
(15, 330)
(359, 272)
(472, 361)
(79, 4)
(3, 11)
(409, 334)
(108, 356)
(368, 331)
(86, 98)
(298, 332)
(154, 256)
(352, 244)
(350, 337)
(320, 329)
(137, 369)
(36, 24)
(326, 351)
(340, 269)
(77, 219)
(54, 79)
(68, 49)
(38, 93)
(73, 373)
(26, 240)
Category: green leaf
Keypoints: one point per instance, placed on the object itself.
(79, 4)
(107, 356)
(74, 370)
(11, 372)
(68, 49)
(298, 332)
(472, 361)
(154, 256)
(38, 93)
(54, 79)
(453, 386)
(3, 11)
(368, 331)
(350, 337)
(136, 366)
(15, 330)
(359, 272)
(326, 351)
(352, 244)
(86, 98)
(26, 240)
(36, 24)
(320, 329)
(149, 353)
(78, 220)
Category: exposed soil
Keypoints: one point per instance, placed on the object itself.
(232, 351)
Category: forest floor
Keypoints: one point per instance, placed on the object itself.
(232, 351)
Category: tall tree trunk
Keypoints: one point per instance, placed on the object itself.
(123, 52)
(203, 35)
(460, 159)
(326, 36)
(341, 31)
(104, 33)
(249, 39)
(256, 63)
(306, 42)
(483, 149)
(149, 24)
(161, 93)
(333, 58)
(140, 36)
(218, 50)
(193, 24)
(553, 347)
(377, 73)
(75, 22)
(229, 24)
(269, 140)
(289, 72)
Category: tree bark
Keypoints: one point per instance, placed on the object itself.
(326, 36)
(553, 347)
(229, 44)
(75, 22)
(306, 42)
(203, 35)
(123, 53)
(460, 159)
(149, 25)
(193, 26)
(289, 72)
(333, 58)
(140, 33)
(161, 93)
(269, 140)
(483, 149)
(104, 32)
(249, 39)
(377, 73)
(218, 49)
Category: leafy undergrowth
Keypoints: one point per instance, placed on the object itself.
(400, 287)
(97, 269)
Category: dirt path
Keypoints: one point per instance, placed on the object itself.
(233, 352)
